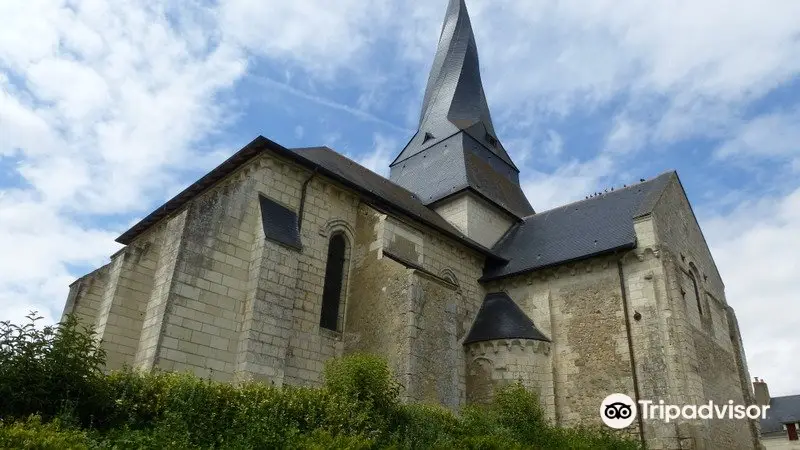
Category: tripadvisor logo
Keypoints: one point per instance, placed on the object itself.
(619, 411)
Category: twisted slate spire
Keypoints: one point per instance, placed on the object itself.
(456, 147)
(454, 90)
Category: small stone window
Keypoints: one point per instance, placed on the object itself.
(696, 293)
(334, 282)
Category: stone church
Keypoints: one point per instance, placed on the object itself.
(279, 259)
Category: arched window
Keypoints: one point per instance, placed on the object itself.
(334, 282)
(696, 292)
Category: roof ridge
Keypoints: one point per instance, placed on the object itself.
(383, 178)
(603, 194)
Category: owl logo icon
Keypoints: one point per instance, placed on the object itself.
(618, 411)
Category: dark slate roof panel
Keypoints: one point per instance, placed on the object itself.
(454, 96)
(493, 179)
(781, 410)
(373, 188)
(462, 162)
(579, 230)
(280, 223)
(436, 174)
(455, 118)
(385, 190)
(501, 318)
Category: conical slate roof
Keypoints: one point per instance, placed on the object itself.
(456, 146)
(501, 318)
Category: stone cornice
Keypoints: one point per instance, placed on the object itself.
(488, 348)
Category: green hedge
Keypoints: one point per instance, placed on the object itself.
(58, 397)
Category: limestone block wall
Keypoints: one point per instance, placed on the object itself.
(153, 325)
(456, 211)
(478, 219)
(119, 318)
(86, 295)
(329, 209)
(266, 320)
(495, 363)
(200, 325)
(579, 307)
(414, 295)
(204, 291)
(708, 354)
(378, 309)
(675, 357)
(487, 223)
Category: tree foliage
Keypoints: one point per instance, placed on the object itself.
(58, 397)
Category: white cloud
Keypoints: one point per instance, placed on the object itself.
(773, 135)
(687, 67)
(758, 254)
(384, 150)
(100, 103)
(315, 35)
(554, 145)
(626, 136)
(37, 244)
(570, 182)
(573, 53)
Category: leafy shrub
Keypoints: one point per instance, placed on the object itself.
(33, 434)
(50, 371)
(363, 379)
(56, 372)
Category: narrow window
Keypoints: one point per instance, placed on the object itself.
(696, 293)
(334, 279)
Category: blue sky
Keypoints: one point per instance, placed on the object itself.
(107, 108)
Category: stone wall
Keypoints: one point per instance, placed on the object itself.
(475, 217)
(378, 308)
(86, 295)
(496, 363)
(204, 291)
(119, 319)
(456, 211)
(329, 209)
(414, 296)
(705, 346)
(579, 307)
(207, 293)
(153, 325)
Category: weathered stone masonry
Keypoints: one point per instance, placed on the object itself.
(204, 291)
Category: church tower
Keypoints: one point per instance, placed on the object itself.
(455, 162)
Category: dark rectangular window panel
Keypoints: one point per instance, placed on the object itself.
(334, 277)
(280, 223)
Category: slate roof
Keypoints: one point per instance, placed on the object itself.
(454, 97)
(280, 223)
(456, 147)
(373, 188)
(576, 231)
(501, 318)
(781, 410)
(384, 190)
(462, 163)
